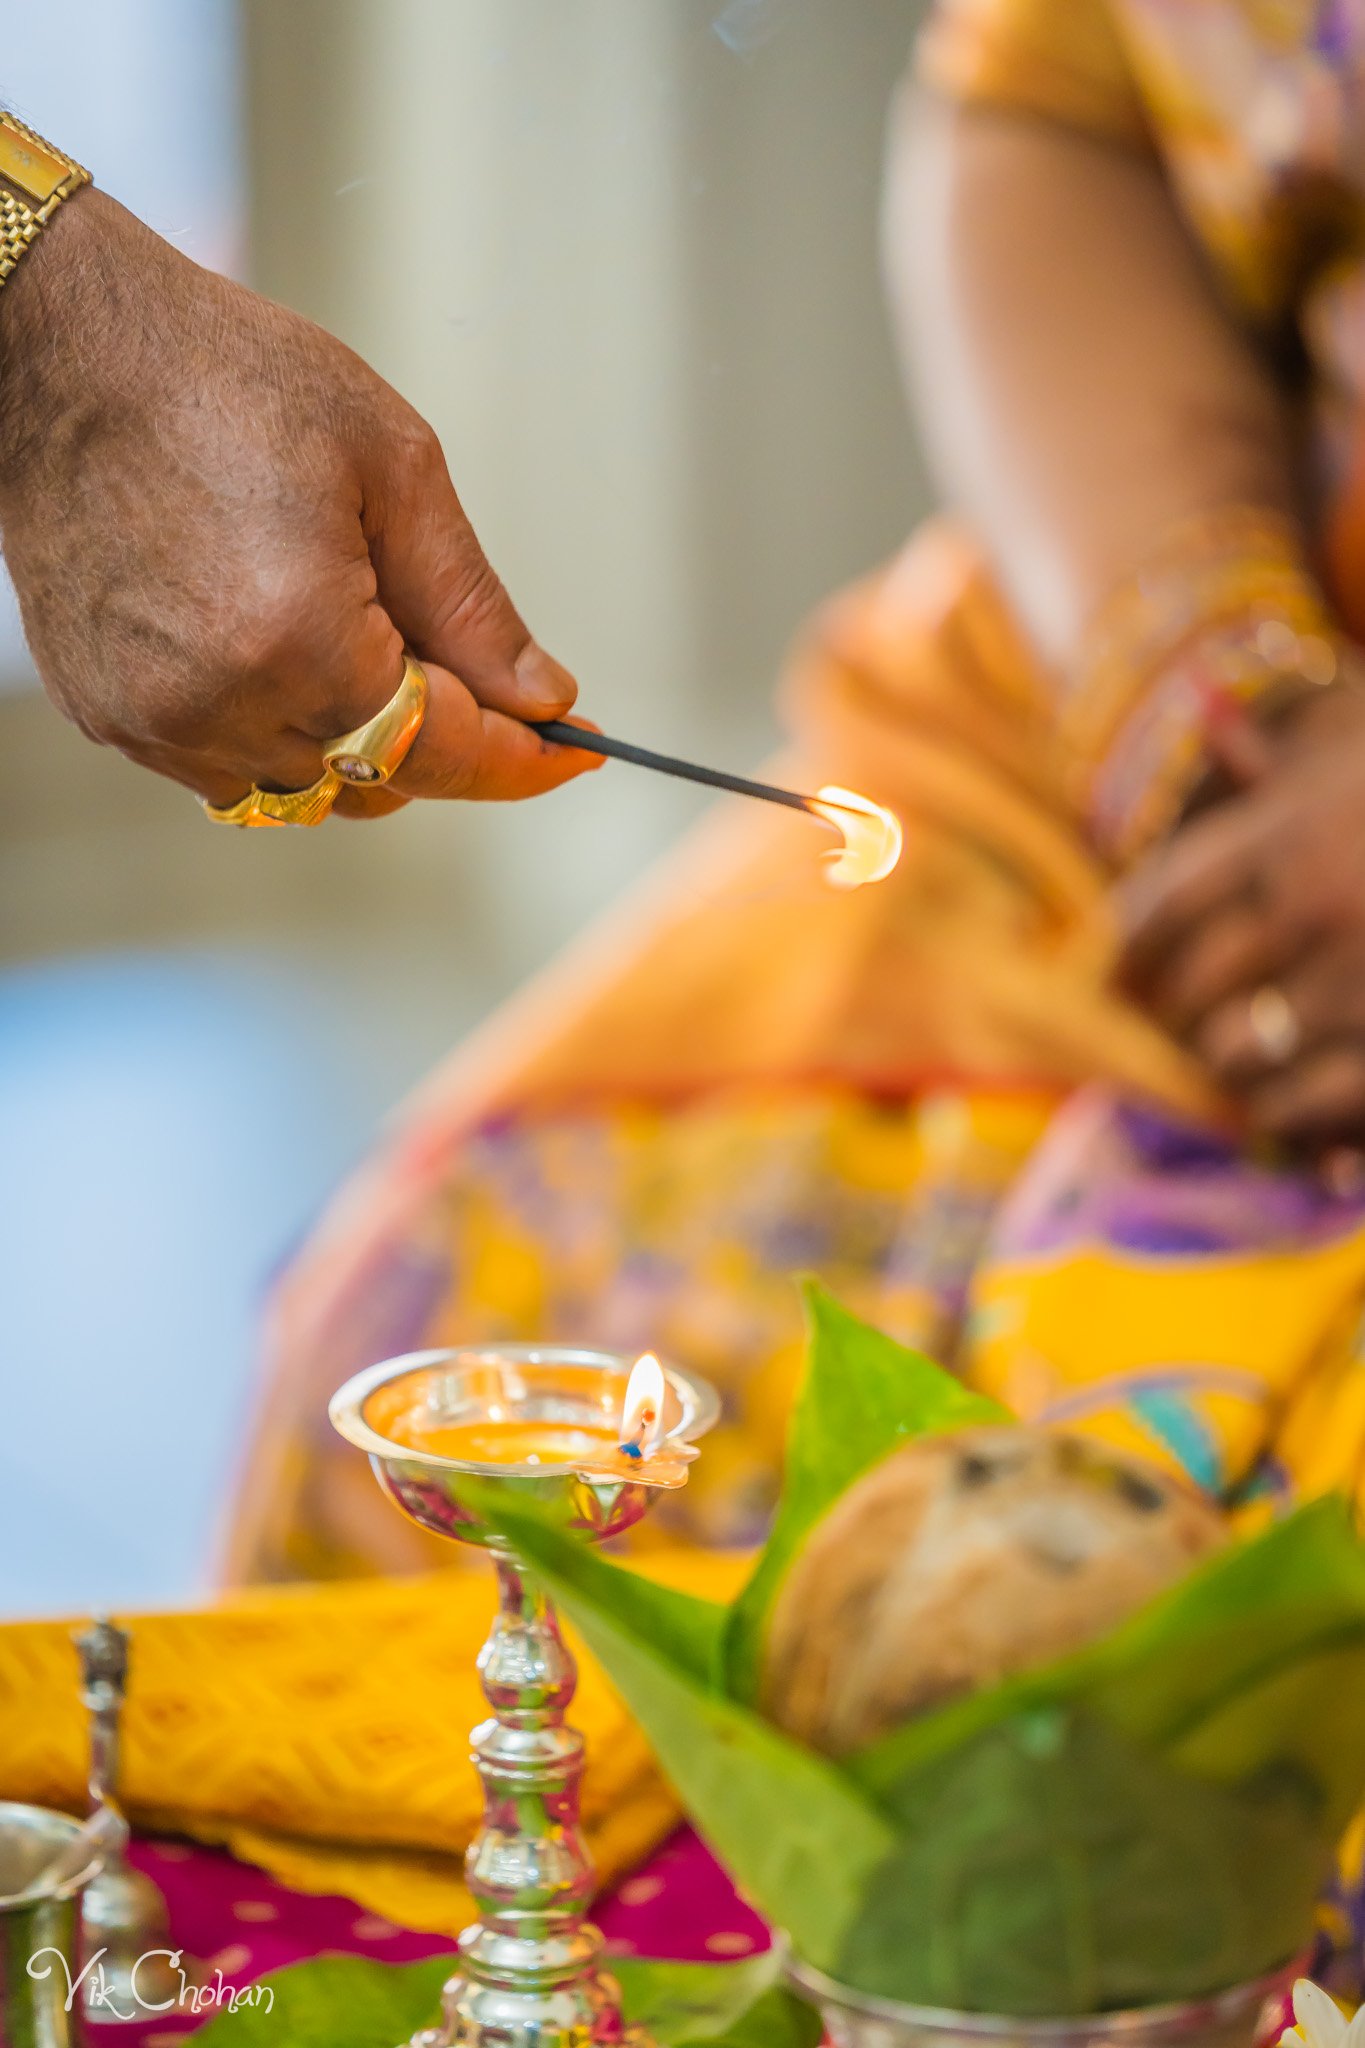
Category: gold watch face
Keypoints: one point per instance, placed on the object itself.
(29, 165)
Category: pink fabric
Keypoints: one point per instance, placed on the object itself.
(680, 1906)
(241, 1923)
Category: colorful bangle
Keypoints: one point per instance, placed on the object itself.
(1224, 613)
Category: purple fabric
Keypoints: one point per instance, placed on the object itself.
(241, 1923)
(1116, 1173)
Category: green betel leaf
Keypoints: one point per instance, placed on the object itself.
(349, 2002)
(727, 2005)
(792, 1831)
(1300, 1725)
(684, 1629)
(1292, 1592)
(862, 1394)
(333, 2002)
(1050, 1866)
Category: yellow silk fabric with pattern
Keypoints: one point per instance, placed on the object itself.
(322, 1732)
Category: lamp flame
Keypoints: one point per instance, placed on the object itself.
(642, 1411)
(872, 837)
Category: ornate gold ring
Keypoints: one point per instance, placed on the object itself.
(280, 807)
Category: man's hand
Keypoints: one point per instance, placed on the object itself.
(224, 527)
(1267, 890)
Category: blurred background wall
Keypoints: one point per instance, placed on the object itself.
(623, 255)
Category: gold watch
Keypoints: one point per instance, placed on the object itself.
(35, 177)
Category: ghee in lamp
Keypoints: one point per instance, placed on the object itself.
(403, 1411)
(489, 1440)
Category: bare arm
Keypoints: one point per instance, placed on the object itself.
(1079, 389)
(1082, 394)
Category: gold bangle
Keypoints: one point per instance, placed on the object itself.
(279, 806)
(374, 751)
(35, 177)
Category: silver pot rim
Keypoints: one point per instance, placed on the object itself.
(1147, 2021)
(53, 1821)
(698, 1400)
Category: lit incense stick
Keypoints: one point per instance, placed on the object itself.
(871, 834)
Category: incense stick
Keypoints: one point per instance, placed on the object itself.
(564, 735)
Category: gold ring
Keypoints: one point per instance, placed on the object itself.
(279, 807)
(378, 749)
(1274, 1025)
(364, 758)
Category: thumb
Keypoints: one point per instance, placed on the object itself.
(447, 601)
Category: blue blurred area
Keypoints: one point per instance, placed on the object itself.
(168, 1124)
(147, 94)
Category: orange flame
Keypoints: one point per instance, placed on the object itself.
(642, 1411)
(645, 1454)
(872, 837)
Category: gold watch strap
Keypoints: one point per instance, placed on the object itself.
(35, 177)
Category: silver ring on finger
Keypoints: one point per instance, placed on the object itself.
(1274, 1025)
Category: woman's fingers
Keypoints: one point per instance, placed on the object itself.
(1213, 864)
(1318, 1001)
(1231, 951)
(1320, 1099)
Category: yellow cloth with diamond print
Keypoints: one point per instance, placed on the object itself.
(321, 1733)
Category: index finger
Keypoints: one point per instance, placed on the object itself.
(1210, 862)
(467, 749)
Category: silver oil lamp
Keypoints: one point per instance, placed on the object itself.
(590, 1439)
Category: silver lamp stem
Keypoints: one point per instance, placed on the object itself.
(529, 1972)
(103, 1651)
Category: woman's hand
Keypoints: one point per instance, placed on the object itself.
(224, 527)
(1245, 932)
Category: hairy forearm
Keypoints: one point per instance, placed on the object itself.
(1079, 389)
(69, 319)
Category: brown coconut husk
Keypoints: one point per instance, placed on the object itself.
(960, 1560)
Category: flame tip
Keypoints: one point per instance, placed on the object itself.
(642, 1410)
(872, 837)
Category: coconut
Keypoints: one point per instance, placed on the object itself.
(959, 1560)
